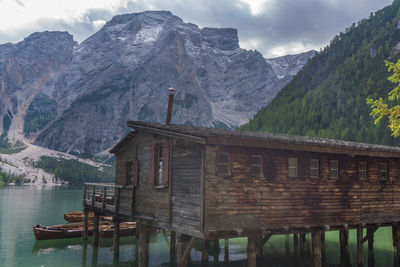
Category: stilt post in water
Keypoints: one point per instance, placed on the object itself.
(172, 248)
(226, 250)
(316, 248)
(143, 260)
(303, 244)
(116, 237)
(85, 224)
(252, 252)
(96, 220)
(360, 255)
(204, 252)
(182, 257)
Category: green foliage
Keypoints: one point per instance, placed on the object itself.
(6, 122)
(74, 171)
(39, 114)
(7, 178)
(381, 108)
(7, 148)
(327, 97)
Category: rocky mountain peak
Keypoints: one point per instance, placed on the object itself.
(122, 72)
(221, 38)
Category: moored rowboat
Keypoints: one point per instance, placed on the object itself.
(77, 216)
(106, 230)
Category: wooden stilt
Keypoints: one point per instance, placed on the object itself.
(323, 255)
(296, 247)
(370, 236)
(287, 246)
(84, 254)
(226, 250)
(85, 224)
(303, 244)
(394, 233)
(316, 248)
(96, 229)
(182, 253)
(360, 255)
(295, 242)
(172, 248)
(259, 246)
(344, 239)
(137, 247)
(204, 252)
(95, 256)
(216, 251)
(143, 260)
(398, 241)
(116, 237)
(251, 252)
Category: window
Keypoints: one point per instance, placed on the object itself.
(314, 168)
(256, 166)
(383, 171)
(362, 170)
(223, 164)
(333, 169)
(292, 167)
(159, 165)
(128, 173)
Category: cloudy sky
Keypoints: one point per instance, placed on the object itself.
(273, 27)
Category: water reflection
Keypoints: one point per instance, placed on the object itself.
(278, 251)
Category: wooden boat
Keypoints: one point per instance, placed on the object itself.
(75, 230)
(77, 216)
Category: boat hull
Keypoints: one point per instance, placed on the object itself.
(106, 230)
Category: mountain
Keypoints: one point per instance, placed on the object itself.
(327, 98)
(286, 67)
(76, 98)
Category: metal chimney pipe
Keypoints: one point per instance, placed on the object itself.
(172, 92)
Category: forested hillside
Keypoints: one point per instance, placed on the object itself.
(328, 97)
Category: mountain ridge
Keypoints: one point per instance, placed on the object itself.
(327, 98)
(79, 100)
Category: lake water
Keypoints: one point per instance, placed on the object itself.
(23, 206)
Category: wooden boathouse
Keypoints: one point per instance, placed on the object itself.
(211, 184)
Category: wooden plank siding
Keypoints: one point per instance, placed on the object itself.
(125, 154)
(150, 200)
(187, 171)
(275, 200)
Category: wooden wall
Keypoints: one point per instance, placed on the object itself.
(150, 201)
(275, 200)
(124, 154)
(187, 171)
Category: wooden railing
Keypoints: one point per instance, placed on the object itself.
(108, 198)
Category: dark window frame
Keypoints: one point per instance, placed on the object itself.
(220, 170)
(158, 169)
(296, 167)
(129, 173)
(332, 169)
(258, 173)
(360, 171)
(317, 169)
(386, 171)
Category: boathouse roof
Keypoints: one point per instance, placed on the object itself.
(257, 139)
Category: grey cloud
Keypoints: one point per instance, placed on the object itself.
(311, 23)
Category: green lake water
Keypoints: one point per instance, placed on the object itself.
(23, 206)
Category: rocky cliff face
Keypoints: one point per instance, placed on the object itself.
(78, 97)
(287, 66)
